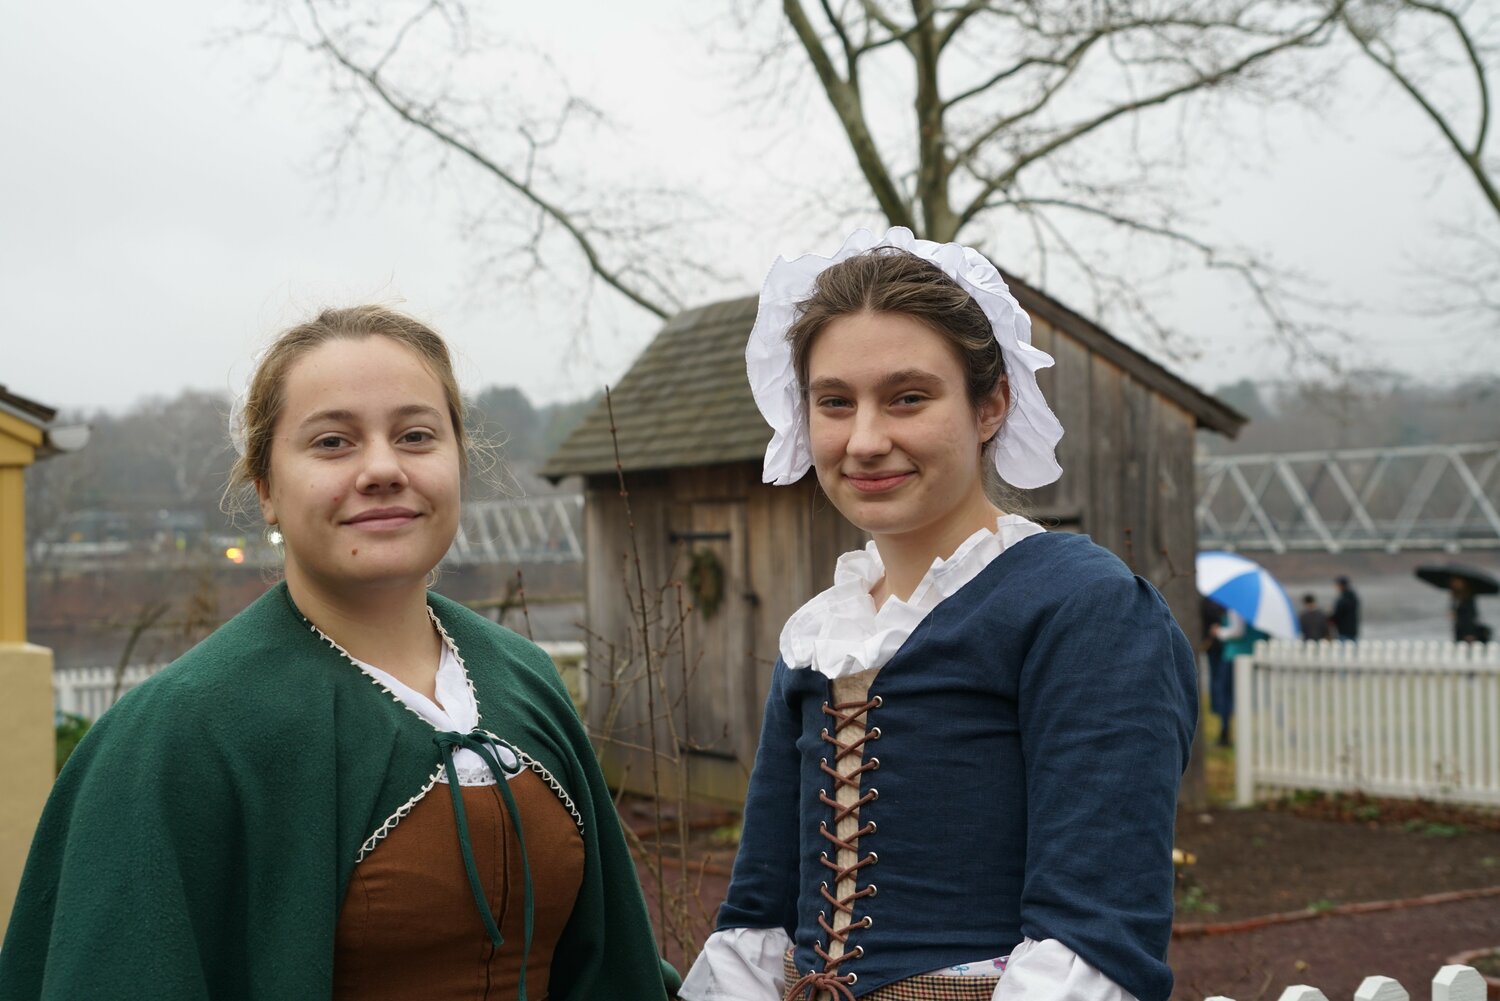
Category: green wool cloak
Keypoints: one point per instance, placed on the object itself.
(199, 840)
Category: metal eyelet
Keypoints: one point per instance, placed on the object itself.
(823, 826)
(878, 701)
(874, 763)
(823, 885)
(874, 857)
(824, 854)
(868, 921)
(822, 792)
(859, 951)
(872, 827)
(853, 979)
(823, 760)
(874, 733)
(874, 795)
(825, 731)
(872, 888)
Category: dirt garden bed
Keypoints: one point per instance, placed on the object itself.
(1319, 853)
(1325, 860)
(1315, 857)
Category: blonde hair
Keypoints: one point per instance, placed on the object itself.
(266, 396)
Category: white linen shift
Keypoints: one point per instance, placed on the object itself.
(841, 632)
(455, 709)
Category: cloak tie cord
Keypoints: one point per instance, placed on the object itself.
(479, 742)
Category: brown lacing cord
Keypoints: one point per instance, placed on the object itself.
(829, 979)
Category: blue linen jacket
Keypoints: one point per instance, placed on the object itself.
(1034, 729)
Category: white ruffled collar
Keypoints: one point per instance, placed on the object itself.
(840, 632)
(456, 708)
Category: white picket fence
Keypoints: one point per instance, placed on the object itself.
(1387, 718)
(1452, 983)
(89, 691)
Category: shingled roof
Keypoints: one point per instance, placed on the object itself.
(686, 401)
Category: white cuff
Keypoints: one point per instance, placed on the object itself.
(1050, 971)
(739, 964)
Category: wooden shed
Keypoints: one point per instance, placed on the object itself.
(690, 443)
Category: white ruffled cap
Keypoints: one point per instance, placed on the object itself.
(1025, 446)
(237, 433)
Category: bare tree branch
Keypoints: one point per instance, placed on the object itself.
(1255, 276)
(1109, 29)
(426, 120)
(1470, 155)
(955, 23)
(845, 97)
(1068, 62)
(850, 55)
(999, 180)
(875, 14)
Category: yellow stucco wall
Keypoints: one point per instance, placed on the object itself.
(27, 757)
(27, 740)
(18, 444)
(12, 554)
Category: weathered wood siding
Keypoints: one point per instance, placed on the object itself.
(1127, 459)
(777, 547)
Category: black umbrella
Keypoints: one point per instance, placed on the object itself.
(1443, 574)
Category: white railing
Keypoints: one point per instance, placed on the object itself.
(89, 691)
(1452, 983)
(1387, 718)
(1393, 498)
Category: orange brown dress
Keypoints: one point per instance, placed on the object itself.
(409, 928)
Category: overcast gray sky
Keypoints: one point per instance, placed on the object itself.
(162, 215)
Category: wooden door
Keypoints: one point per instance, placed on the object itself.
(714, 716)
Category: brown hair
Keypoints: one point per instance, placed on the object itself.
(891, 280)
(266, 395)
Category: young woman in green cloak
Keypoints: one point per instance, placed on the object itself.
(355, 788)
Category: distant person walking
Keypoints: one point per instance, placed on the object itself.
(1236, 637)
(1465, 611)
(1210, 616)
(1312, 619)
(1345, 617)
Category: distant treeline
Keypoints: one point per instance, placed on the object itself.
(161, 466)
(1359, 411)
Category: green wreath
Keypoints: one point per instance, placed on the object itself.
(706, 581)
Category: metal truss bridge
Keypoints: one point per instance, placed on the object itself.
(544, 529)
(1420, 497)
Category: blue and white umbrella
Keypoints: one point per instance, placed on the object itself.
(1245, 586)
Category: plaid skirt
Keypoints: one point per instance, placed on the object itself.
(923, 987)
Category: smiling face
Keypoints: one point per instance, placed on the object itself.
(896, 440)
(364, 468)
